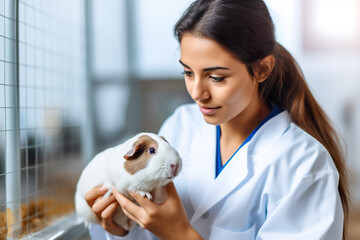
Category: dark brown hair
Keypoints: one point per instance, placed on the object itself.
(245, 29)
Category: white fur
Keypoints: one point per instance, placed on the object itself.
(107, 169)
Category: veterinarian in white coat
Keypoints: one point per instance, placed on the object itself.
(280, 185)
(255, 147)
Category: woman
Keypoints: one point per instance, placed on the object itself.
(262, 160)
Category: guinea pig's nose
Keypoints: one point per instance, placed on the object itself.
(174, 168)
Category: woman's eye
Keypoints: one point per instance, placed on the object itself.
(187, 73)
(217, 79)
(152, 150)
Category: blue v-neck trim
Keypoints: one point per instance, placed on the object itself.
(219, 167)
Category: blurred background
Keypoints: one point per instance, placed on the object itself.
(78, 76)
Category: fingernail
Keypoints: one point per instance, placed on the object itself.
(103, 188)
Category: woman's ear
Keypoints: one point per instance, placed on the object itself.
(263, 68)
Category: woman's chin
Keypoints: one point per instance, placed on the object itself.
(211, 120)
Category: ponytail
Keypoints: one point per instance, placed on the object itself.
(287, 87)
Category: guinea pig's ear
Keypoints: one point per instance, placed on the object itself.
(135, 151)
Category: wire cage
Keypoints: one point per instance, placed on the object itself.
(42, 72)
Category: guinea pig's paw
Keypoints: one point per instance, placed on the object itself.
(143, 194)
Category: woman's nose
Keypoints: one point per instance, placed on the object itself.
(199, 90)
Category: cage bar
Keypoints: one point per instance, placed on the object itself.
(12, 127)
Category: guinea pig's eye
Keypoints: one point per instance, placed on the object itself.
(152, 150)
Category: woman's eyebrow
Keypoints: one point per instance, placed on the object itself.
(214, 68)
(184, 64)
(205, 69)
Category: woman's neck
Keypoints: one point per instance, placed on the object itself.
(235, 131)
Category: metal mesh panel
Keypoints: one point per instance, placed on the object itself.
(42, 74)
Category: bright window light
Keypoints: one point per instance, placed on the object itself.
(337, 19)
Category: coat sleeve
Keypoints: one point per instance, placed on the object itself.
(311, 210)
(98, 233)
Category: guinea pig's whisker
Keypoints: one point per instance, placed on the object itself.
(186, 163)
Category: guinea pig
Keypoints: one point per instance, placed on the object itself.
(142, 164)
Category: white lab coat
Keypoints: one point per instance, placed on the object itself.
(280, 185)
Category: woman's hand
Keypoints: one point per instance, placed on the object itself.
(103, 209)
(167, 220)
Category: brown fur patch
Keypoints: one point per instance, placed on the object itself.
(141, 157)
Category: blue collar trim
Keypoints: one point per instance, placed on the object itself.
(219, 167)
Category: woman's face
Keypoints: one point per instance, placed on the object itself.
(218, 82)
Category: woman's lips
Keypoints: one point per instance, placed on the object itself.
(208, 110)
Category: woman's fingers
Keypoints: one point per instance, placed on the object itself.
(129, 208)
(102, 203)
(93, 194)
(143, 201)
(164, 220)
(98, 203)
(103, 208)
(108, 211)
(107, 214)
(107, 220)
(135, 219)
